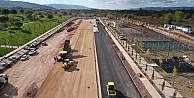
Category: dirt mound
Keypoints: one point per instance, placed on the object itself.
(70, 29)
(31, 92)
(69, 24)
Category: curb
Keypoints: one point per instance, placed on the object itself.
(97, 71)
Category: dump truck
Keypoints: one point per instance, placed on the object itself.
(110, 89)
(66, 55)
(3, 80)
(66, 50)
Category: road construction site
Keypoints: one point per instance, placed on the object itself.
(40, 76)
(98, 58)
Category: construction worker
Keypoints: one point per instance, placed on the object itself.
(55, 59)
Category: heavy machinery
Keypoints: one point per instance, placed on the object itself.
(66, 55)
(66, 50)
(3, 80)
(67, 63)
(110, 89)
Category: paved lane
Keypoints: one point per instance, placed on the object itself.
(112, 69)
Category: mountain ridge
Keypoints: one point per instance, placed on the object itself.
(14, 4)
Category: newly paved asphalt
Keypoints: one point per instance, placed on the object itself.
(112, 69)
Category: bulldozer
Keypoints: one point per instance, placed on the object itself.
(110, 89)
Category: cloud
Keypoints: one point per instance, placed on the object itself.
(148, 3)
(127, 2)
(191, 1)
(163, 1)
(110, 2)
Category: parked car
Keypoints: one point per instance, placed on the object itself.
(32, 49)
(44, 44)
(32, 52)
(26, 48)
(121, 38)
(24, 57)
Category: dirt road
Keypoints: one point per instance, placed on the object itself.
(26, 77)
(79, 81)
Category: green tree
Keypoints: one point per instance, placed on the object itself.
(168, 18)
(64, 13)
(174, 74)
(22, 11)
(18, 24)
(41, 16)
(4, 19)
(1, 26)
(34, 16)
(13, 11)
(161, 60)
(179, 15)
(192, 17)
(5, 11)
(187, 16)
(148, 51)
(49, 14)
(28, 14)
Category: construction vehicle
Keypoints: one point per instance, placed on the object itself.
(66, 55)
(66, 50)
(3, 80)
(67, 63)
(110, 89)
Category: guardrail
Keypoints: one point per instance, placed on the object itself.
(7, 60)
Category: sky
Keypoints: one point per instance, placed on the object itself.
(118, 4)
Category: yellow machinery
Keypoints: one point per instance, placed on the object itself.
(65, 55)
(67, 63)
(110, 89)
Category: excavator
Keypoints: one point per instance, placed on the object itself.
(65, 55)
(110, 89)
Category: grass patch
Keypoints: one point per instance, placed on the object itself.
(19, 36)
(5, 51)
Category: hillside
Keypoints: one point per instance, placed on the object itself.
(67, 6)
(13, 4)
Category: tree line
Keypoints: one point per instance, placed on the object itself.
(20, 16)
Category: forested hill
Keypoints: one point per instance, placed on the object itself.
(14, 4)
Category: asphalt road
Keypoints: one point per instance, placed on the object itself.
(112, 69)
